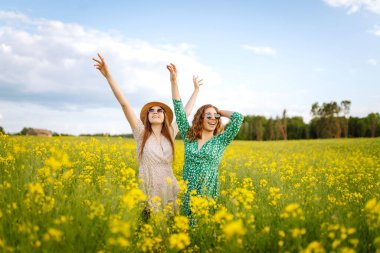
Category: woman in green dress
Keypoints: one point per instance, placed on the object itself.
(205, 142)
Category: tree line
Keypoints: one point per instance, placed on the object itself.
(329, 120)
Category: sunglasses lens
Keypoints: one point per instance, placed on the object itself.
(151, 110)
(209, 116)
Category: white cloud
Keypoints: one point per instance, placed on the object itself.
(54, 56)
(9, 16)
(372, 62)
(89, 120)
(376, 30)
(355, 5)
(260, 50)
(48, 64)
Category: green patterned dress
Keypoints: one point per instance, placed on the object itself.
(201, 166)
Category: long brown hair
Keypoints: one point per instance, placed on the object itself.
(195, 131)
(165, 131)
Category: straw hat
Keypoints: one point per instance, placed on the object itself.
(147, 106)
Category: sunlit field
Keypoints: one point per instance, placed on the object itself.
(77, 194)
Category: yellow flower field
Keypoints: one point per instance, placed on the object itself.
(80, 194)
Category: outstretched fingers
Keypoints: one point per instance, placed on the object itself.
(101, 65)
(172, 68)
(99, 62)
(197, 81)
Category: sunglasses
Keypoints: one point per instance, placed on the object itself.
(209, 116)
(151, 110)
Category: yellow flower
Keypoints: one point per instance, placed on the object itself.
(222, 215)
(179, 241)
(120, 227)
(96, 210)
(314, 247)
(234, 228)
(346, 250)
(274, 195)
(169, 181)
(150, 244)
(242, 196)
(297, 232)
(54, 234)
(336, 243)
(263, 182)
(294, 211)
(354, 242)
(199, 205)
(67, 175)
(376, 242)
(36, 244)
(119, 241)
(133, 197)
(36, 189)
(181, 223)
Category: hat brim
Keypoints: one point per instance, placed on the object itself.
(147, 106)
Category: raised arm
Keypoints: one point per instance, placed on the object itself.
(173, 80)
(232, 129)
(190, 104)
(175, 92)
(180, 114)
(101, 65)
(225, 113)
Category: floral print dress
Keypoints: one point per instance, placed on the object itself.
(201, 166)
(156, 176)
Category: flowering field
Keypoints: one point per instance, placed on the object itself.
(77, 194)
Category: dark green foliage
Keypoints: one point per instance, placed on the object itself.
(330, 120)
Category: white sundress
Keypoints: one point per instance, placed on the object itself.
(155, 168)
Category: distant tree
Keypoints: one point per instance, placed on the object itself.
(25, 130)
(357, 127)
(2, 130)
(327, 123)
(270, 129)
(243, 133)
(330, 120)
(297, 128)
(345, 107)
(373, 122)
(259, 128)
(284, 125)
(313, 128)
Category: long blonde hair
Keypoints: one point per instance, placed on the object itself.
(165, 131)
(195, 131)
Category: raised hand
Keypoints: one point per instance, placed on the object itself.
(173, 72)
(101, 66)
(197, 82)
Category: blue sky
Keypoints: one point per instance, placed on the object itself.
(256, 57)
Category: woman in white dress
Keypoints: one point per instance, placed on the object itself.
(154, 134)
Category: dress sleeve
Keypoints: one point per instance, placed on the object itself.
(232, 128)
(181, 118)
(138, 132)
